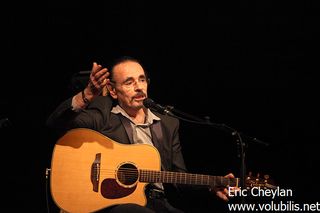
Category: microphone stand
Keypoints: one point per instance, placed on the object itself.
(170, 110)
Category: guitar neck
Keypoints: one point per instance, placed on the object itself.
(186, 178)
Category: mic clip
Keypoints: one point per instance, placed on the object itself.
(168, 109)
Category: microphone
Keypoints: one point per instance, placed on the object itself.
(149, 103)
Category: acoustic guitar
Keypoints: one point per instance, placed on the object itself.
(90, 171)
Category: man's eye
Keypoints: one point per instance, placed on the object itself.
(128, 83)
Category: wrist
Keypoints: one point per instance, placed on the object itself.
(84, 98)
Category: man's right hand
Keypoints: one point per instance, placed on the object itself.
(97, 81)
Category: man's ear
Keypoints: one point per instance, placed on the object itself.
(112, 91)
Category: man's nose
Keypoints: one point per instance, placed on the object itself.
(138, 85)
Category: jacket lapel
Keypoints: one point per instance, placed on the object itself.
(128, 128)
(157, 139)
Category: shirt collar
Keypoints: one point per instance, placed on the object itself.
(149, 119)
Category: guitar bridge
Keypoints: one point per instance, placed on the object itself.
(95, 172)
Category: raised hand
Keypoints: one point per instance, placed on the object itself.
(97, 81)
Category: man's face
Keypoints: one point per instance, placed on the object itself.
(130, 85)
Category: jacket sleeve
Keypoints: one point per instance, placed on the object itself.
(64, 118)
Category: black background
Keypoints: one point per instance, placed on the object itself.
(249, 65)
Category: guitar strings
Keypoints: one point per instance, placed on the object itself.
(127, 174)
(154, 172)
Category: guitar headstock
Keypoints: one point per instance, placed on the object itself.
(261, 181)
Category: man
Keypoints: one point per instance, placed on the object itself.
(122, 117)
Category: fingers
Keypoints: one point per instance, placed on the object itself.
(98, 73)
(104, 79)
(98, 78)
(223, 194)
(230, 175)
(95, 68)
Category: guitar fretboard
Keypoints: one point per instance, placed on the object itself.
(185, 178)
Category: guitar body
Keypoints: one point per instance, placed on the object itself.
(86, 171)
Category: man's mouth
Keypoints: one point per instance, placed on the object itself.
(139, 97)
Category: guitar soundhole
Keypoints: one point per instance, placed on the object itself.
(127, 174)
